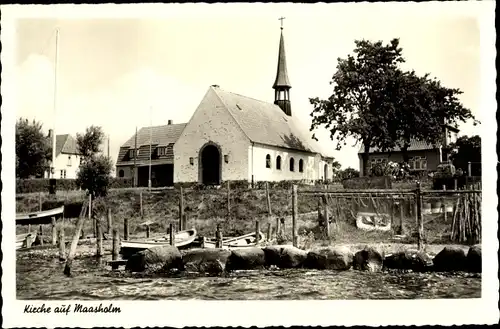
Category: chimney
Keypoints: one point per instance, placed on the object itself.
(51, 133)
(215, 86)
(169, 122)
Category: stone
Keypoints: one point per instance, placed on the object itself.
(250, 258)
(450, 259)
(285, 256)
(158, 258)
(212, 261)
(368, 259)
(474, 259)
(330, 258)
(414, 260)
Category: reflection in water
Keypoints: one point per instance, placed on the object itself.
(93, 280)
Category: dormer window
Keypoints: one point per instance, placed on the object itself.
(133, 153)
(162, 151)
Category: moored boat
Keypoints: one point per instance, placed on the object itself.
(182, 239)
(247, 240)
(39, 217)
(22, 241)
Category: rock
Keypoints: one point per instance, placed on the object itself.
(414, 260)
(331, 258)
(474, 259)
(157, 258)
(246, 259)
(284, 256)
(368, 259)
(450, 259)
(211, 261)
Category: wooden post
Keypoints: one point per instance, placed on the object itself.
(74, 244)
(392, 214)
(41, 234)
(401, 217)
(443, 205)
(278, 226)
(455, 181)
(228, 201)
(99, 251)
(110, 222)
(327, 215)
(283, 226)
(172, 235)
(294, 215)
(62, 244)
(90, 206)
(320, 211)
(257, 232)
(444, 187)
(116, 244)
(420, 222)
(268, 199)
(54, 232)
(125, 229)
(184, 222)
(148, 231)
(269, 232)
(218, 237)
(28, 241)
(141, 210)
(39, 201)
(469, 169)
(181, 209)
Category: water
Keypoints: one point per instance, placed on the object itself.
(93, 280)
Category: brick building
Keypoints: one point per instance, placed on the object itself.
(229, 137)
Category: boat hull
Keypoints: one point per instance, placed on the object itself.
(39, 217)
(244, 241)
(21, 239)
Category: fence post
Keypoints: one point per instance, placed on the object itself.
(74, 244)
(228, 201)
(469, 169)
(40, 229)
(455, 184)
(443, 206)
(99, 238)
(116, 248)
(268, 199)
(401, 217)
(40, 201)
(420, 222)
(320, 210)
(172, 235)
(62, 244)
(392, 214)
(141, 211)
(54, 231)
(110, 222)
(269, 231)
(294, 215)
(257, 232)
(181, 209)
(218, 237)
(327, 215)
(444, 187)
(278, 226)
(125, 228)
(148, 231)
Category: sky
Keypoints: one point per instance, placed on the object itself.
(123, 73)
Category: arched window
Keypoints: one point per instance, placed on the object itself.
(121, 173)
(301, 165)
(278, 162)
(292, 164)
(268, 161)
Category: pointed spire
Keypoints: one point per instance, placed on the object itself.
(282, 73)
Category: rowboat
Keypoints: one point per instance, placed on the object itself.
(368, 221)
(21, 240)
(181, 239)
(247, 240)
(39, 217)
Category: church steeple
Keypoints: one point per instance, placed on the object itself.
(282, 85)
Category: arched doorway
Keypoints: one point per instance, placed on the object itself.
(210, 165)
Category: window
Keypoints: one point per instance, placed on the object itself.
(121, 173)
(301, 165)
(133, 153)
(292, 164)
(268, 161)
(418, 163)
(374, 161)
(63, 173)
(278, 162)
(162, 151)
(69, 160)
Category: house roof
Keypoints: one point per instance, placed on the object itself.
(266, 123)
(66, 144)
(415, 145)
(161, 135)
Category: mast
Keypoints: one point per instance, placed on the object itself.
(52, 173)
(135, 159)
(150, 142)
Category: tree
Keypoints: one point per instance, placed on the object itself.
(33, 149)
(335, 168)
(358, 106)
(382, 106)
(467, 149)
(348, 173)
(94, 174)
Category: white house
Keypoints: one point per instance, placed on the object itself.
(67, 157)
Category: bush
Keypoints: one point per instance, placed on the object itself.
(363, 183)
(94, 175)
(42, 185)
(115, 182)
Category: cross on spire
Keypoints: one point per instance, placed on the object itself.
(281, 19)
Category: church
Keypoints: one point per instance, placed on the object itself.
(230, 137)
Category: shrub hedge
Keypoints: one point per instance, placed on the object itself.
(367, 182)
(42, 185)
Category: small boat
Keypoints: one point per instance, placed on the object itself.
(39, 217)
(247, 240)
(373, 222)
(181, 239)
(21, 240)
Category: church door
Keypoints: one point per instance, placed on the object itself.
(210, 165)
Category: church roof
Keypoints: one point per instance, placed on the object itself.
(266, 123)
(161, 135)
(282, 72)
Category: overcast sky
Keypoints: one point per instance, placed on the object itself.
(111, 71)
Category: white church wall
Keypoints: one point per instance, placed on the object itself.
(211, 122)
(262, 173)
